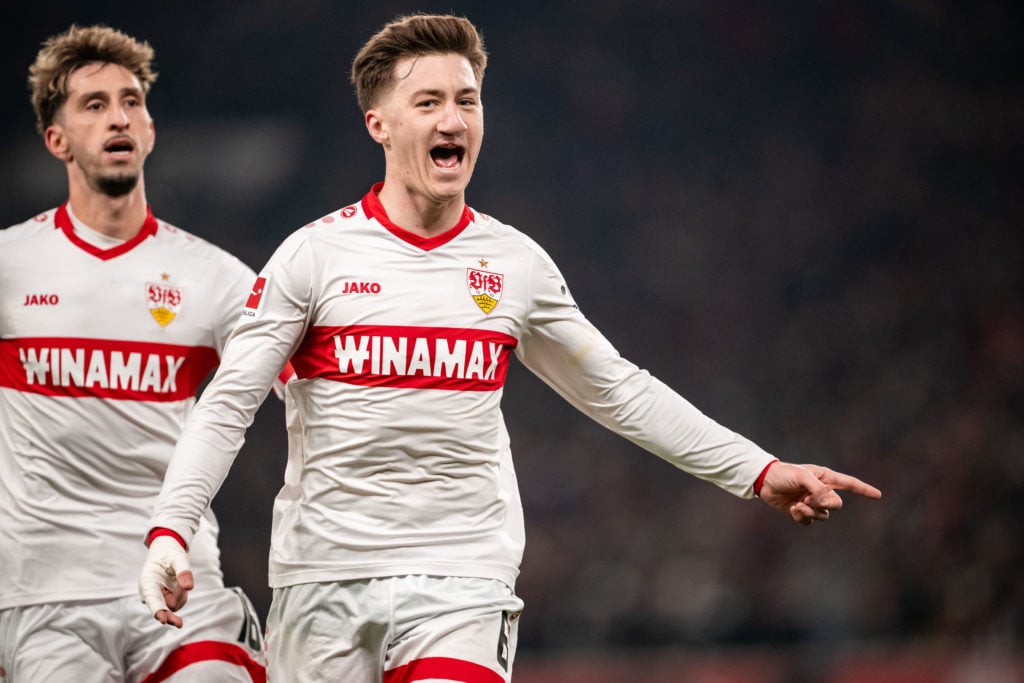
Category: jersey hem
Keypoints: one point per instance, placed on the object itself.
(507, 575)
(93, 596)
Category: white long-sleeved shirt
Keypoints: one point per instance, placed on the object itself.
(103, 344)
(399, 460)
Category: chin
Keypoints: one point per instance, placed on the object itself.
(117, 186)
(451, 186)
(450, 195)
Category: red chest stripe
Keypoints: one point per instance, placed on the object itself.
(104, 368)
(448, 358)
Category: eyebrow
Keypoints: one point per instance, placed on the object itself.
(435, 92)
(102, 94)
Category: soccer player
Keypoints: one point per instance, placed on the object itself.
(109, 321)
(398, 534)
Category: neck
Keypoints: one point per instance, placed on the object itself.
(418, 214)
(118, 217)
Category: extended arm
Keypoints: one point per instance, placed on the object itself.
(562, 348)
(582, 366)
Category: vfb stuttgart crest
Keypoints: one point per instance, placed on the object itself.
(164, 302)
(485, 288)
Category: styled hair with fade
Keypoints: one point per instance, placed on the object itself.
(373, 69)
(62, 54)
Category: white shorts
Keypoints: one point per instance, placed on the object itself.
(394, 630)
(119, 641)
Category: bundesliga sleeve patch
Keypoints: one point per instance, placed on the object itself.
(252, 304)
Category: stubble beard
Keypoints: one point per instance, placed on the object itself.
(118, 185)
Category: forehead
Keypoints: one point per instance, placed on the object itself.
(101, 76)
(448, 71)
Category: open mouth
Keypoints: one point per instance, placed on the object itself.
(447, 157)
(119, 146)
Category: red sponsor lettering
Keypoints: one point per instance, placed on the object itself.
(361, 288)
(41, 300)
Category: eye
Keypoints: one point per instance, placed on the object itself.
(94, 105)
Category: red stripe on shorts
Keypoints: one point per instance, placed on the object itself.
(444, 668)
(206, 651)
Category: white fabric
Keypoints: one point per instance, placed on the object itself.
(399, 459)
(118, 641)
(101, 351)
(354, 630)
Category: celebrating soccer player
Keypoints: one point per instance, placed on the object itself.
(398, 534)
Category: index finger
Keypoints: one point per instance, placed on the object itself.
(845, 482)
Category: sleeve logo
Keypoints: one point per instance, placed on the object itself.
(252, 304)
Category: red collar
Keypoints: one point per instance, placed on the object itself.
(63, 222)
(374, 209)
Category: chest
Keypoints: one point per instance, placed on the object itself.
(471, 285)
(57, 292)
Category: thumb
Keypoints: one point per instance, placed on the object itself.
(820, 495)
(182, 570)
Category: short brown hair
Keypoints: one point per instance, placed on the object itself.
(62, 54)
(413, 35)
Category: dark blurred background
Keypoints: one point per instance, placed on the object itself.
(805, 216)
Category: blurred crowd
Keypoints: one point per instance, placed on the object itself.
(805, 218)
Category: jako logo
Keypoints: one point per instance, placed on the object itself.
(41, 300)
(361, 288)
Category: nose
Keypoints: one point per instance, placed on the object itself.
(452, 121)
(118, 117)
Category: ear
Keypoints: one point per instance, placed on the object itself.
(152, 136)
(376, 127)
(57, 142)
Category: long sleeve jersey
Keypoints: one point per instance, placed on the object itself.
(399, 459)
(102, 349)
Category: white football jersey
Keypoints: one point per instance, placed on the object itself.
(399, 459)
(102, 349)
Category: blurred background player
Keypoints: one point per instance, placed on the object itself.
(110, 319)
(399, 533)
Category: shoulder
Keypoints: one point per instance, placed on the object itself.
(344, 223)
(339, 224)
(510, 236)
(541, 270)
(348, 216)
(189, 246)
(41, 223)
